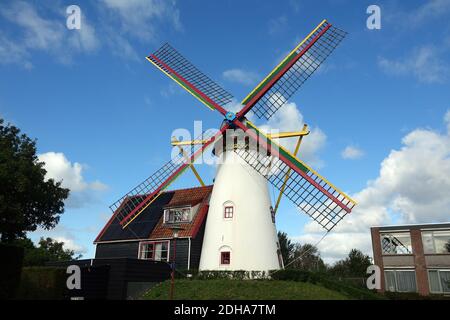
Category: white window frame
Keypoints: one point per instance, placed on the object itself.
(393, 234)
(440, 281)
(432, 232)
(167, 210)
(396, 281)
(141, 244)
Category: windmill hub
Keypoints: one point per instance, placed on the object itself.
(230, 116)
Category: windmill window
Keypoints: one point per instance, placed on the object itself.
(158, 251)
(225, 257)
(228, 212)
(177, 215)
(396, 243)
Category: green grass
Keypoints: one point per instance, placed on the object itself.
(243, 289)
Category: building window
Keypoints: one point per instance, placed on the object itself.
(177, 215)
(436, 241)
(396, 243)
(225, 257)
(228, 212)
(158, 251)
(439, 281)
(400, 280)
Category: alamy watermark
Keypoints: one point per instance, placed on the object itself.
(73, 21)
(374, 20)
(249, 140)
(374, 280)
(73, 281)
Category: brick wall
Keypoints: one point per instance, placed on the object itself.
(419, 262)
(377, 256)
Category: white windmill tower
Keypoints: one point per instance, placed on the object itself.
(240, 233)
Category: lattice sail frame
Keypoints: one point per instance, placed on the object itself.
(175, 66)
(135, 201)
(306, 188)
(310, 54)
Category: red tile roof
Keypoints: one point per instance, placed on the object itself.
(191, 197)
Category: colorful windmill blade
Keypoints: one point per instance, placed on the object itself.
(139, 198)
(306, 188)
(175, 66)
(293, 71)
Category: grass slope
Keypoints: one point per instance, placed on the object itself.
(243, 289)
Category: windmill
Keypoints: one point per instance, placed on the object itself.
(240, 232)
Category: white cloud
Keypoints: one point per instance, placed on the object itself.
(427, 12)
(119, 22)
(71, 245)
(60, 168)
(352, 153)
(142, 20)
(240, 76)
(171, 89)
(289, 118)
(61, 234)
(278, 25)
(431, 9)
(140, 17)
(424, 63)
(412, 187)
(38, 33)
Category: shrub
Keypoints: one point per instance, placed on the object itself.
(325, 281)
(225, 274)
(413, 296)
(295, 275)
(46, 283)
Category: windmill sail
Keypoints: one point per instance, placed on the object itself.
(174, 65)
(306, 188)
(135, 201)
(273, 92)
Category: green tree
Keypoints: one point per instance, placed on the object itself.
(354, 265)
(286, 247)
(307, 257)
(27, 199)
(47, 250)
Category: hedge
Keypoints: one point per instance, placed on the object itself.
(326, 281)
(225, 274)
(42, 283)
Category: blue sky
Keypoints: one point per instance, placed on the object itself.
(103, 115)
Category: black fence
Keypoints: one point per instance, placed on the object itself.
(117, 279)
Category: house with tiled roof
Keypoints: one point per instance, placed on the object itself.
(150, 235)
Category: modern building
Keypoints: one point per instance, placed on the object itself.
(413, 258)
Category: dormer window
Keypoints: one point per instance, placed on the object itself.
(177, 215)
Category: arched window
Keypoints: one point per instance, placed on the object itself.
(225, 255)
(228, 210)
